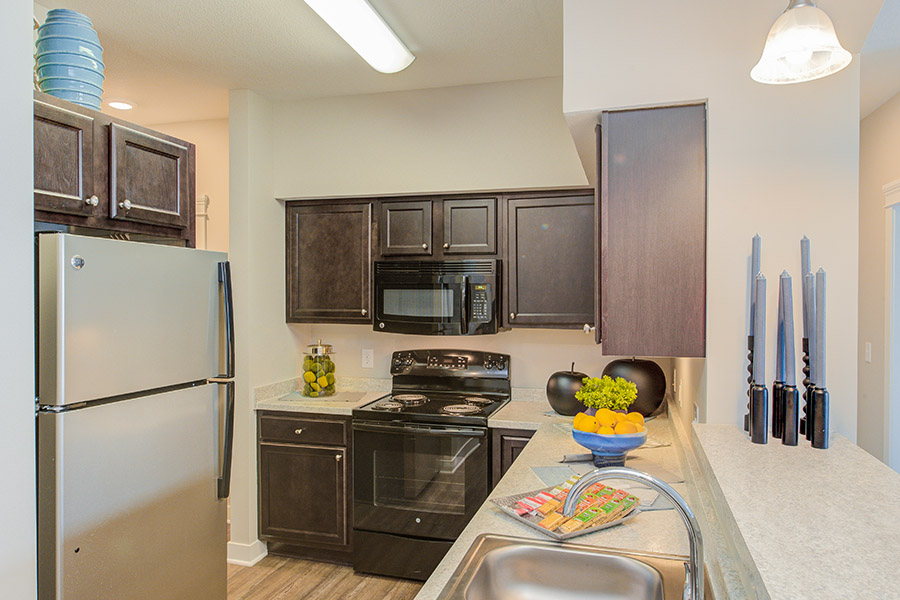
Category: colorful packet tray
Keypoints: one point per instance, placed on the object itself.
(607, 507)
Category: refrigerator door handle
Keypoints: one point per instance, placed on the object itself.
(225, 278)
(224, 482)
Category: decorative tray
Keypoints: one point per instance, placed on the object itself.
(599, 507)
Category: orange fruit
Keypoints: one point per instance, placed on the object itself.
(605, 430)
(626, 426)
(635, 417)
(588, 423)
(577, 419)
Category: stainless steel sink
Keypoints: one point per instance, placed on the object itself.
(508, 568)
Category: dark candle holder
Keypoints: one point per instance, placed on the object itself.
(777, 409)
(759, 414)
(807, 385)
(749, 380)
(790, 415)
(817, 425)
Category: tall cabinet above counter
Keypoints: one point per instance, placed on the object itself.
(627, 260)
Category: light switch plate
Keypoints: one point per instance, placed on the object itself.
(367, 360)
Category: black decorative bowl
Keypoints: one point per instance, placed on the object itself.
(647, 376)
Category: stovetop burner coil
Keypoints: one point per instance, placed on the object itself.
(477, 401)
(410, 399)
(388, 405)
(461, 409)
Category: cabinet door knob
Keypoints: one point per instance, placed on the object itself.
(446, 246)
(337, 457)
(298, 431)
(92, 201)
(512, 316)
(424, 246)
(364, 312)
(126, 205)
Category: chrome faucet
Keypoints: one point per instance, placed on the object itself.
(693, 585)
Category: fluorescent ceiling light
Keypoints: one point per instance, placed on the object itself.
(366, 32)
(120, 104)
(801, 46)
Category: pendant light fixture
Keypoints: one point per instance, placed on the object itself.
(366, 32)
(801, 46)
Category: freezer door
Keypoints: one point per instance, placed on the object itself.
(127, 502)
(118, 317)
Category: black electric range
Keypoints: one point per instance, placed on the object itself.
(420, 458)
(461, 387)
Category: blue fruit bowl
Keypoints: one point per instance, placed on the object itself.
(80, 31)
(53, 71)
(70, 45)
(609, 450)
(72, 60)
(64, 15)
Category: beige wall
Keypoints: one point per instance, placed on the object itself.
(266, 348)
(491, 136)
(17, 469)
(783, 162)
(879, 164)
(211, 139)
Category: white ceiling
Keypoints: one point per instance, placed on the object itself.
(178, 58)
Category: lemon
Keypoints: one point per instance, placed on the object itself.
(625, 427)
(330, 378)
(577, 419)
(322, 381)
(588, 423)
(607, 419)
(605, 430)
(309, 377)
(635, 417)
(314, 386)
(314, 394)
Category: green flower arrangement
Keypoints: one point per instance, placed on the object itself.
(606, 392)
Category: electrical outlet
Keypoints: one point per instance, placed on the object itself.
(696, 413)
(368, 358)
(868, 352)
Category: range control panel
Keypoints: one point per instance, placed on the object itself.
(450, 363)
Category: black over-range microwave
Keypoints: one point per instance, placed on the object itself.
(451, 297)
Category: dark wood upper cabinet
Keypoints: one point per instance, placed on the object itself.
(63, 161)
(470, 226)
(405, 228)
(329, 262)
(93, 170)
(652, 231)
(149, 180)
(550, 268)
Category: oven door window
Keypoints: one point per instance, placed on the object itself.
(425, 474)
(426, 483)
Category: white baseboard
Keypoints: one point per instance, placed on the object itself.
(246, 555)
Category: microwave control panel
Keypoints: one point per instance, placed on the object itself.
(481, 302)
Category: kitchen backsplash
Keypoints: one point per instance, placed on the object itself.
(535, 353)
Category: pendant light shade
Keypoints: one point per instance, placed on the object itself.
(801, 46)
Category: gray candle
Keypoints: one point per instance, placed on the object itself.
(790, 372)
(804, 269)
(759, 334)
(754, 271)
(809, 294)
(779, 341)
(820, 329)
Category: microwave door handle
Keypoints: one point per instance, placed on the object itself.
(464, 305)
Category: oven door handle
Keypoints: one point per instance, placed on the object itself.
(412, 430)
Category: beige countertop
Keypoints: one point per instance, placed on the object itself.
(523, 414)
(830, 523)
(655, 531)
(341, 403)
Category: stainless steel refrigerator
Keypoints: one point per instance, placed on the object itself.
(135, 419)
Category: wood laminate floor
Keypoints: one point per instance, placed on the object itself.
(282, 578)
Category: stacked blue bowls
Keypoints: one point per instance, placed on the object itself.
(70, 58)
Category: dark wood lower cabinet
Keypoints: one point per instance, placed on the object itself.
(506, 446)
(304, 488)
